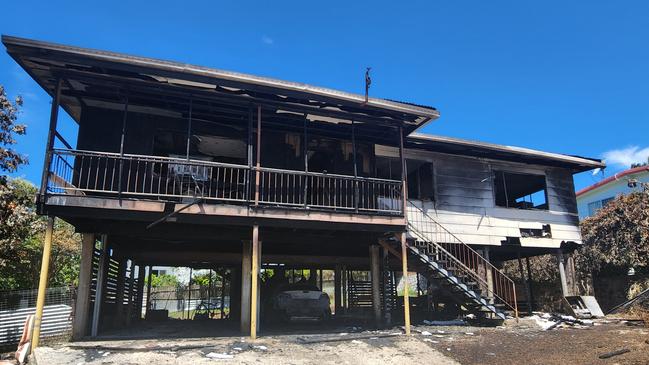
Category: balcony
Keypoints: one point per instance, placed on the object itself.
(153, 178)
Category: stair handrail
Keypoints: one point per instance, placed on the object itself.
(502, 291)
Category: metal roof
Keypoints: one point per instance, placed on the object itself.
(35, 56)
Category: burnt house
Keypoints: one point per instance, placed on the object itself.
(182, 165)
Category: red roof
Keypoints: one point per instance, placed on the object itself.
(615, 177)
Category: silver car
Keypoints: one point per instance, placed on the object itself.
(301, 300)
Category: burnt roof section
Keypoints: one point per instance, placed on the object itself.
(458, 146)
(85, 70)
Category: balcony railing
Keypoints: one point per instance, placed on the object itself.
(75, 172)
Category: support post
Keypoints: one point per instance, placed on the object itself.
(527, 283)
(148, 292)
(121, 150)
(246, 270)
(305, 152)
(356, 192)
(257, 170)
(54, 117)
(562, 275)
(376, 287)
(249, 155)
(189, 293)
(99, 292)
(404, 173)
(404, 267)
(189, 127)
(42, 282)
(344, 302)
(254, 284)
(489, 275)
(337, 291)
(81, 309)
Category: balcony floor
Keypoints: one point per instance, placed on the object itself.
(207, 213)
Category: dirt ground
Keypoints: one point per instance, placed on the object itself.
(524, 342)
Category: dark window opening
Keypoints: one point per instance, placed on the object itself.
(420, 180)
(522, 191)
(388, 168)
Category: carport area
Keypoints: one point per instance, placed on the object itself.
(310, 280)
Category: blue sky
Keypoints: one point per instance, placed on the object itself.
(568, 77)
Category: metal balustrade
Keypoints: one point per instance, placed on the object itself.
(76, 172)
(453, 254)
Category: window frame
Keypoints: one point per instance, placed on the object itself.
(496, 170)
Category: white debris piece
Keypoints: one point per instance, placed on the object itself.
(426, 333)
(356, 341)
(542, 321)
(237, 349)
(106, 353)
(344, 334)
(214, 355)
(261, 347)
(440, 331)
(439, 336)
(469, 333)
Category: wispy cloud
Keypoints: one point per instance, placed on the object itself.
(624, 157)
(267, 40)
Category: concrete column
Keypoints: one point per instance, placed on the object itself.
(101, 279)
(375, 271)
(246, 270)
(337, 290)
(562, 275)
(119, 292)
(82, 304)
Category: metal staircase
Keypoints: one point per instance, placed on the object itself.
(477, 285)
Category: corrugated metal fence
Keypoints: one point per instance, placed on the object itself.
(16, 305)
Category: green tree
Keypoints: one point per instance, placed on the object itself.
(9, 129)
(21, 235)
(163, 280)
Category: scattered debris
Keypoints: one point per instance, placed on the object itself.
(261, 348)
(614, 353)
(426, 333)
(322, 339)
(214, 355)
(549, 321)
(455, 322)
(356, 341)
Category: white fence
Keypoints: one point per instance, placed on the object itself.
(16, 305)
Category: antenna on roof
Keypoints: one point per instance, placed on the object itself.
(368, 82)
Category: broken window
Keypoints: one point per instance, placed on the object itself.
(522, 191)
(420, 180)
(543, 232)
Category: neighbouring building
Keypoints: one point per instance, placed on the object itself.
(592, 198)
(178, 165)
